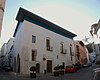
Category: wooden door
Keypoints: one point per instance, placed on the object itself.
(49, 66)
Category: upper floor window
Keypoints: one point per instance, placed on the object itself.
(62, 47)
(63, 50)
(33, 39)
(48, 42)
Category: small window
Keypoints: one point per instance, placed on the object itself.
(48, 44)
(62, 47)
(34, 55)
(33, 39)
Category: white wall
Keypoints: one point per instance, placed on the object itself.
(17, 47)
(23, 46)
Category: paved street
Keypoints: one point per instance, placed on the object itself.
(83, 74)
(5, 75)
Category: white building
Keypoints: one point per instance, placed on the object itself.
(40, 43)
(3, 54)
(8, 55)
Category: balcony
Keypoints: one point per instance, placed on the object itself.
(64, 51)
(49, 48)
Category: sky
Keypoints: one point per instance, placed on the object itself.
(76, 16)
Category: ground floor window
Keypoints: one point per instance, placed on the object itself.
(34, 52)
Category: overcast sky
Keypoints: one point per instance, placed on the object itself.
(76, 16)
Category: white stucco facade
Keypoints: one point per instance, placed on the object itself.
(44, 33)
(24, 46)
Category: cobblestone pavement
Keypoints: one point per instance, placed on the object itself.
(82, 74)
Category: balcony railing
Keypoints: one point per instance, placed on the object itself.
(64, 51)
(49, 48)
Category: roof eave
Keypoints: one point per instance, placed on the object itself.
(22, 12)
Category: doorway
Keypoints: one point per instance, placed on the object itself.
(37, 68)
(18, 63)
(49, 66)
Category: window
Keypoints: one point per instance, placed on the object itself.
(62, 46)
(63, 50)
(34, 55)
(33, 39)
(48, 44)
(71, 52)
(78, 54)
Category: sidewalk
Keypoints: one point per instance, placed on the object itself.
(40, 76)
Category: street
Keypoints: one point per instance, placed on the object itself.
(82, 74)
(5, 75)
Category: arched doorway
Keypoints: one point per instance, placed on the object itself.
(18, 63)
(37, 68)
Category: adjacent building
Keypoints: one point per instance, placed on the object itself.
(2, 6)
(6, 56)
(81, 53)
(97, 51)
(40, 43)
(2, 55)
(9, 54)
(92, 51)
